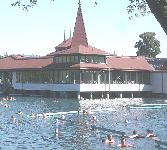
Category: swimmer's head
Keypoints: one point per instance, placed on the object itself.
(109, 136)
(149, 131)
(103, 140)
(62, 116)
(137, 118)
(126, 121)
(134, 132)
(123, 140)
(94, 117)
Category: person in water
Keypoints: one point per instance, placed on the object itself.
(109, 139)
(123, 143)
(20, 113)
(32, 116)
(94, 120)
(136, 135)
(150, 134)
(137, 118)
(85, 112)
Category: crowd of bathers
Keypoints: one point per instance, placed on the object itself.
(110, 140)
(135, 135)
(4, 100)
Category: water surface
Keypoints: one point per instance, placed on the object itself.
(75, 133)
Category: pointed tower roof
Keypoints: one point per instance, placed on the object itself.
(79, 34)
(64, 35)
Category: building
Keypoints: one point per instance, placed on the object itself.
(78, 70)
(159, 76)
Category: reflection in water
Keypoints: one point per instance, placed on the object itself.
(43, 123)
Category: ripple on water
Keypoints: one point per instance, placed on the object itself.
(39, 134)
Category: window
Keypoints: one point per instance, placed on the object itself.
(76, 59)
(64, 59)
(82, 58)
(118, 77)
(131, 77)
(68, 59)
(88, 59)
(146, 77)
(59, 59)
(72, 59)
(87, 77)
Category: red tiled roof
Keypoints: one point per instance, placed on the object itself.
(12, 62)
(79, 34)
(128, 63)
(80, 50)
(64, 45)
(78, 44)
(114, 63)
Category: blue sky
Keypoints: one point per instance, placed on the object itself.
(107, 25)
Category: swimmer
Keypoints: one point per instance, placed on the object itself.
(56, 131)
(85, 123)
(81, 98)
(32, 115)
(94, 119)
(57, 122)
(4, 99)
(13, 119)
(62, 117)
(45, 115)
(150, 133)
(85, 112)
(103, 140)
(109, 139)
(6, 105)
(20, 113)
(137, 118)
(126, 121)
(12, 98)
(123, 143)
(135, 135)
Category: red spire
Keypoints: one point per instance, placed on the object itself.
(79, 34)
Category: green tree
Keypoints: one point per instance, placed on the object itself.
(157, 7)
(148, 46)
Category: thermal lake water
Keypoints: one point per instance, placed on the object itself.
(74, 132)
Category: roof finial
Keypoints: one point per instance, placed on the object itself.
(64, 35)
(79, 3)
(70, 33)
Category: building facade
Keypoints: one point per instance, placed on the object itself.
(76, 70)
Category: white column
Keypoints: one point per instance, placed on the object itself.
(120, 95)
(132, 95)
(108, 96)
(78, 96)
(102, 95)
(91, 95)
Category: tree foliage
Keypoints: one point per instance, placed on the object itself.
(148, 46)
(139, 5)
(137, 8)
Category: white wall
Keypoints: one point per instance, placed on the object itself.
(81, 87)
(115, 87)
(159, 82)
